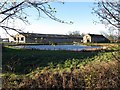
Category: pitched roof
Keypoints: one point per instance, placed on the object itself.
(96, 35)
(37, 35)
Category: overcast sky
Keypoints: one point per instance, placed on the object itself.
(78, 12)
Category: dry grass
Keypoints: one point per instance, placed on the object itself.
(92, 76)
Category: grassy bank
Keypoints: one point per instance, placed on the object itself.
(61, 69)
(21, 61)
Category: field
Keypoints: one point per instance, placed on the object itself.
(61, 69)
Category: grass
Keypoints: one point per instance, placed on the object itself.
(23, 61)
(61, 69)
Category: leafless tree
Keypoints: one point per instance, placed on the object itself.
(74, 33)
(109, 12)
(11, 10)
(111, 34)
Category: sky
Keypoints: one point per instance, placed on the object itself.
(80, 13)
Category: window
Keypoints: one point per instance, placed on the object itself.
(22, 38)
(15, 38)
(88, 40)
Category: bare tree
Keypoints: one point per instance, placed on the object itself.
(111, 34)
(109, 12)
(74, 33)
(11, 10)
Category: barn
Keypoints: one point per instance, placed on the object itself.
(95, 38)
(45, 38)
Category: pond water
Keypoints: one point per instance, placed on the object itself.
(57, 47)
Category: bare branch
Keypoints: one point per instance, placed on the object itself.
(7, 17)
(109, 13)
(16, 11)
(14, 7)
(107, 19)
(2, 5)
(113, 6)
(10, 28)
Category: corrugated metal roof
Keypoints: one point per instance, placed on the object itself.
(37, 35)
(96, 35)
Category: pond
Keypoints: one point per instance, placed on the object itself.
(58, 47)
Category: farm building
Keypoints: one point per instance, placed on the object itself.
(45, 38)
(95, 38)
(5, 39)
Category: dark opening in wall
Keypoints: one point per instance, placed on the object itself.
(22, 38)
(15, 38)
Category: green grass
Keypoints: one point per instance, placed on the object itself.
(61, 69)
(23, 61)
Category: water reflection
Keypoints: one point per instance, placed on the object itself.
(57, 47)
